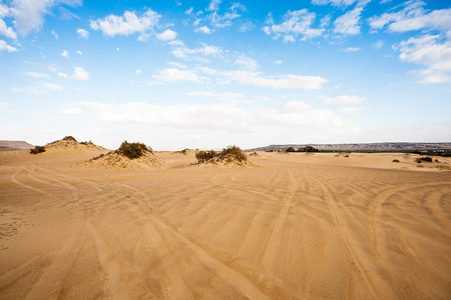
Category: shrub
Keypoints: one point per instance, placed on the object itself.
(234, 152)
(37, 149)
(203, 156)
(427, 159)
(69, 138)
(395, 161)
(291, 149)
(133, 150)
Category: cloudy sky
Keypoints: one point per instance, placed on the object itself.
(207, 74)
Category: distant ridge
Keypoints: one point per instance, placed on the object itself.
(361, 147)
(14, 145)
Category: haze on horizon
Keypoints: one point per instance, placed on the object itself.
(207, 74)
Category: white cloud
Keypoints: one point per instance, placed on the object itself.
(203, 29)
(205, 117)
(53, 32)
(413, 16)
(80, 74)
(352, 49)
(65, 54)
(246, 63)
(82, 33)
(188, 54)
(176, 75)
(295, 23)
(347, 24)
(5, 47)
(7, 31)
(286, 81)
(37, 75)
(189, 11)
(127, 24)
(63, 75)
(354, 111)
(344, 99)
(219, 96)
(246, 26)
(277, 62)
(52, 86)
(378, 45)
(29, 15)
(79, 52)
(301, 116)
(167, 35)
(214, 5)
(138, 72)
(334, 2)
(432, 51)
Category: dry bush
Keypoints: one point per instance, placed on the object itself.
(37, 149)
(133, 150)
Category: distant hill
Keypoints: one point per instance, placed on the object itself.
(14, 145)
(362, 147)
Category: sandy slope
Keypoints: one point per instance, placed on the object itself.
(296, 227)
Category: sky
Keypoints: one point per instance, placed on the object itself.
(178, 74)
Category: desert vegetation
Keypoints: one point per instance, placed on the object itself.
(37, 149)
(425, 159)
(227, 155)
(133, 150)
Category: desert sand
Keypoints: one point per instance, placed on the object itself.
(291, 226)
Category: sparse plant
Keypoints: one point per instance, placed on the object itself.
(290, 149)
(234, 152)
(97, 157)
(395, 161)
(133, 150)
(69, 138)
(37, 149)
(203, 156)
(421, 159)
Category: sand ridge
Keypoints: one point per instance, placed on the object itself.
(296, 227)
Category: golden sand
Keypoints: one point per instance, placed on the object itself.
(293, 226)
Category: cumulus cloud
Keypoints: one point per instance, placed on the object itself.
(348, 24)
(184, 52)
(80, 74)
(37, 75)
(203, 29)
(344, 99)
(294, 24)
(29, 15)
(285, 81)
(167, 35)
(298, 114)
(214, 5)
(246, 63)
(127, 24)
(5, 47)
(65, 54)
(412, 16)
(432, 51)
(176, 75)
(183, 116)
(219, 96)
(63, 75)
(7, 31)
(82, 33)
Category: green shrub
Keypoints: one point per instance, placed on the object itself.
(203, 156)
(133, 150)
(37, 149)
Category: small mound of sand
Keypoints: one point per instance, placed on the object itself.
(227, 160)
(253, 154)
(70, 143)
(343, 154)
(309, 154)
(115, 160)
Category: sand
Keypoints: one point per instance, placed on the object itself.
(293, 226)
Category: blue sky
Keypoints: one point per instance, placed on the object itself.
(207, 74)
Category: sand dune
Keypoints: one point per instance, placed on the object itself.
(295, 227)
